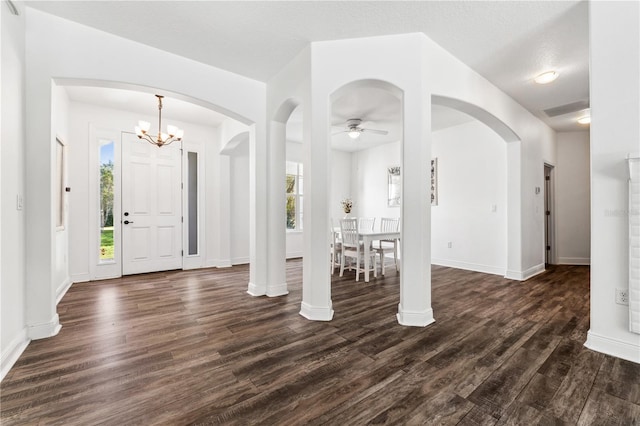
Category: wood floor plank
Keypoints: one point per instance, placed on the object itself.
(191, 347)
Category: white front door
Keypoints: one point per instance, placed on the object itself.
(151, 206)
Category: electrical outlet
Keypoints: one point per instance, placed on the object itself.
(449, 244)
(19, 202)
(622, 296)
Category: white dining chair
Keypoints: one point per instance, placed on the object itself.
(388, 246)
(336, 249)
(353, 248)
(366, 223)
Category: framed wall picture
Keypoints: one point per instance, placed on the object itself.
(434, 182)
(394, 182)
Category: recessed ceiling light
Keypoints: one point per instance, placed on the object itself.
(584, 120)
(546, 77)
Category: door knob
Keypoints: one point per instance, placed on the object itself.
(126, 222)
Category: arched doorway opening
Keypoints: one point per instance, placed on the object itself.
(482, 213)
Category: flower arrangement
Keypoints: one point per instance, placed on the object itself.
(347, 204)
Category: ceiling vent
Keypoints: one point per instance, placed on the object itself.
(566, 109)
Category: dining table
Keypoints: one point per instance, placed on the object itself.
(368, 237)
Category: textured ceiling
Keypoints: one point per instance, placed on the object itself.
(508, 42)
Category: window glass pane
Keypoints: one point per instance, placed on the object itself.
(106, 200)
(192, 170)
(291, 184)
(291, 212)
(300, 184)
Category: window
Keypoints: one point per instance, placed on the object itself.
(106, 200)
(294, 191)
(192, 201)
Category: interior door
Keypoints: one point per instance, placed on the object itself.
(151, 206)
(548, 215)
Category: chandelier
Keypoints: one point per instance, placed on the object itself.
(173, 132)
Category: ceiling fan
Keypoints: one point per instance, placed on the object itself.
(353, 129)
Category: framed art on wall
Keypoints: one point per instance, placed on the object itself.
(394, 182)
(434, 182)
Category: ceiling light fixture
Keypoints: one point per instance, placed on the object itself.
(173, 133)
(354, 133)
(584, 120)
(546, 77)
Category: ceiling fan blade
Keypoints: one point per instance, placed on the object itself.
(376, 132)
(337, 133)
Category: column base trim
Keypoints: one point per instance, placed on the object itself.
(317, 313)
(415, 318)
(255, 290)
(44, 330)
(277, 290)
(613, 347)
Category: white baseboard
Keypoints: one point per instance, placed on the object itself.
(217, 263)
(317, 313)
(613, 347)
(62, 289)
(80, 278)
(44, 330)
(11, 354)
(415, 318)
(239, 260)
(525, 275)
(476, 267)
(586, 261)
(294, 255)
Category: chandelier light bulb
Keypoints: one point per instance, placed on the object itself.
(173, 132)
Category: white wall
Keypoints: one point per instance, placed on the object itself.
(369, 180)
(13, 327)
(341, 184)
(572, 199)
(85, 122)
(472, 173)
(615, 132)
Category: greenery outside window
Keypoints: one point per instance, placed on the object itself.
(294, 193)
(106, 200)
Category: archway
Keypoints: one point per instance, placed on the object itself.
(512, 141)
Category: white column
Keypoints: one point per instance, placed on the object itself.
(316, 280)
(224, 211)
(42, 318)
(277, 283)
(258, 202)
(414, 308)
(514, 211)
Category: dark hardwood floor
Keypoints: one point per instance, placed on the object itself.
(191, 347)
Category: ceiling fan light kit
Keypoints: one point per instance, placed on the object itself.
(173, 132)
(354, 130)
